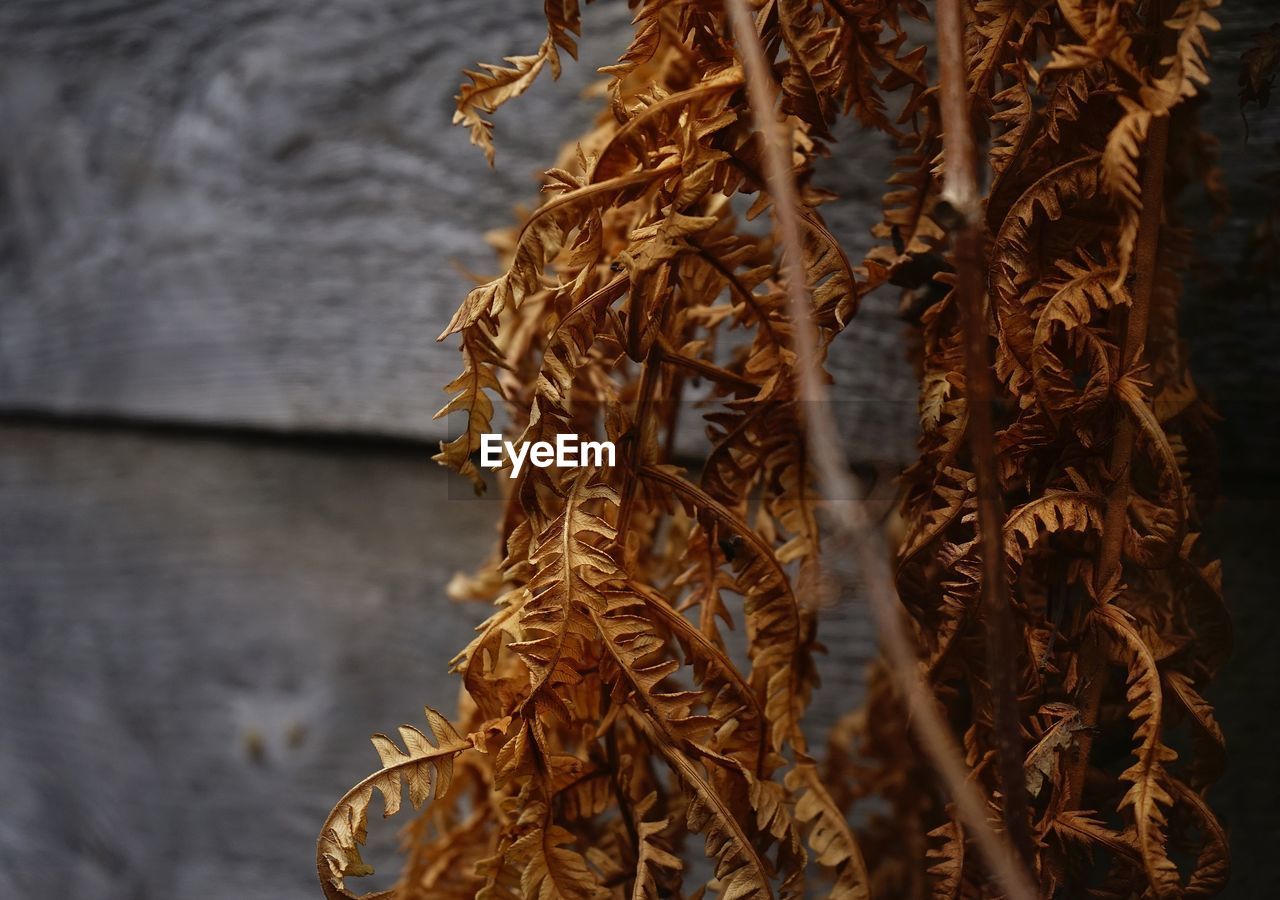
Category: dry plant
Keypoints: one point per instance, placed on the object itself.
(1049, 619)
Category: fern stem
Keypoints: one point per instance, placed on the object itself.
(1001, 634)
(707, 370)
(652, 367)
(736, 288)
(626, 813)
(839, 487)
(702, 500)
(1133, 327)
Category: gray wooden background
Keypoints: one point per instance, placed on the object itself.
(229, 233)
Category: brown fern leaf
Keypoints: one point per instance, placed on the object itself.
(1147, 796)
(419, 765)
(481, 359)
(650, 883)
(829, 835)
(493, 86)
(946, 874)
(1212, 867)
(572, 573)
(739, 869)
(813, 73)
(1053, 512)
(550, 866)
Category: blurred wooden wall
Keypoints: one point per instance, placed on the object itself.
(229, 233)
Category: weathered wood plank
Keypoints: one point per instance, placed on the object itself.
(196, 637)
(254, 212)
(197, 634)
(244, 213)
(249, 213)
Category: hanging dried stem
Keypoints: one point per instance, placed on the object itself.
(1050, 594)
(1115, 520)
(960, 192)
(839, 488)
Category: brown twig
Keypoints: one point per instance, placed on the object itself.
(707, 370)
(1116, 514)
(634, 451)
(961, 192)
(1131, 329)
(839, 487)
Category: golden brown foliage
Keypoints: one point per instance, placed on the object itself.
(604, 720)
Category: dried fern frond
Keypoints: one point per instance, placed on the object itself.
(1054, 589)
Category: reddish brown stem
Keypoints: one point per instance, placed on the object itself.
(838, 487)
(1133, 329)
(707, 370)
(634, 451)
(1001, 632)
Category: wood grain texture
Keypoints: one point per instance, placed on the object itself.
(246, 213)
(250, 211)
(256, 212)
(197, 636)
(198, 633)
(253, 213)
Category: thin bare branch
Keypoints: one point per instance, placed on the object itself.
(960, 190)
(838, 486)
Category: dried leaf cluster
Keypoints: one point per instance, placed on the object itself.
(608, 732)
